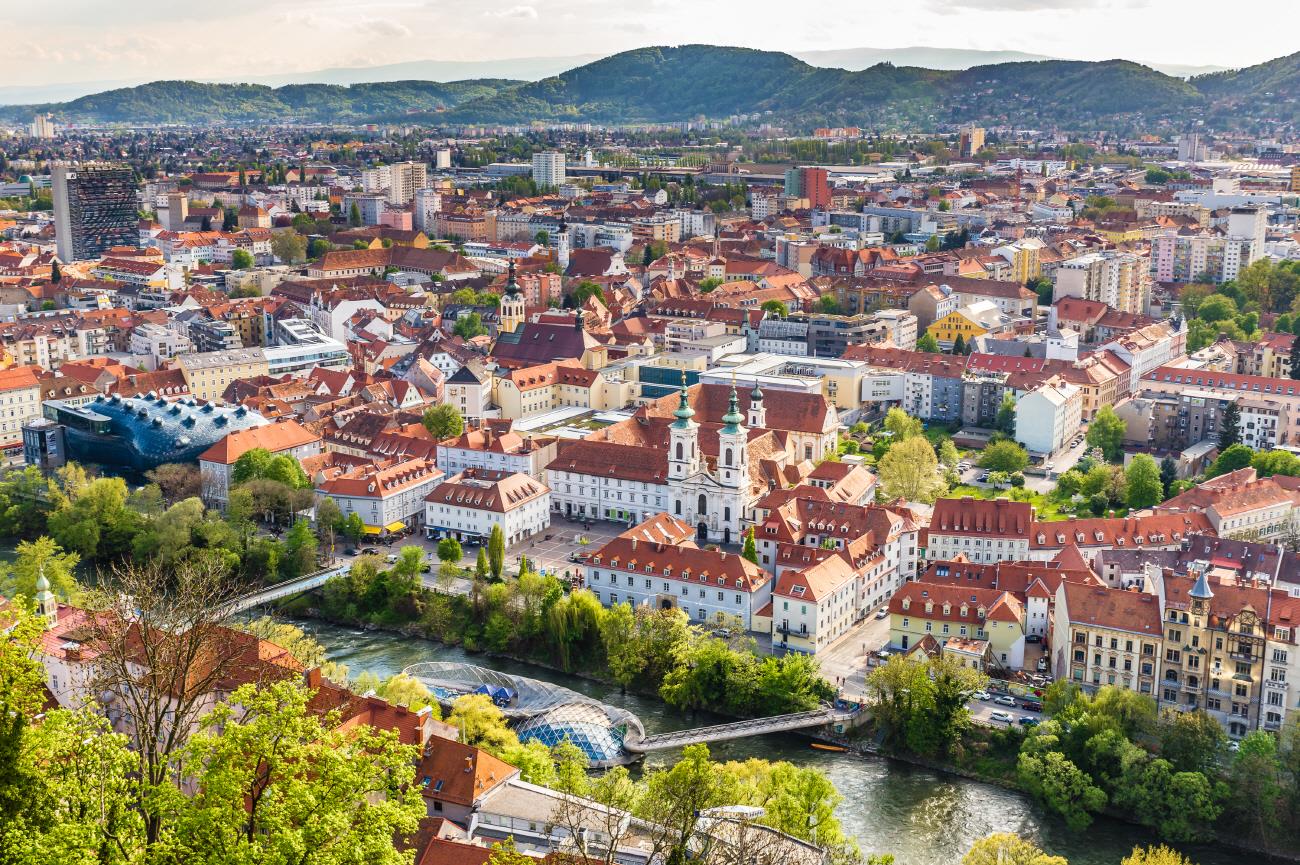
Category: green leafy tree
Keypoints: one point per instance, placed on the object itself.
(624, 657)
(469, 326)
(1004, 456)
(271, 777)
(775, 308)
(675, 797)
(241, 259)
(909, 471)
(1256, 790)
(709, 283)
(928, 343)
(496, 551)
(449, 550)
(959, 345)
(42, 557)
(289, 246)
(354, 527)
(300, 546)
(1235, 457)
(1060, 785)
(1268, 463)
(902, 425)
(354, 216)
(1107, 433)
(948, 455)
(481, 566)
(481, 724)
(1005, 848)
(1143, 487)
(443, 421)
(750, 550)
(1006, 418)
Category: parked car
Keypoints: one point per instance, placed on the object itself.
(1029, 722)
(351, 551)
(1031, 705)
(1042, 667)
(1005, 700)
(370, 551)
(391, 558)
(1004, 717)
(882, 612)
(982, 695)
(1033, 638)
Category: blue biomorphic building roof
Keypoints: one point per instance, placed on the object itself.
(145, 431)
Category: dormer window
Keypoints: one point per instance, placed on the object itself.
(929, 607)
(907, 604)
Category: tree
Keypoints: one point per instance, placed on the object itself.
(241, 259)
(469, 326)
(1294, 360)
(1006, 419)
(901, 425)
(300, 546)
(1143, 487)
(318, 247)
(1256, 792)
(1005, 848)
(1107, 432)
(1004, 456)
(909, 471)
(289, 246)
(162, 651)
(1153, 855)
(959, 345)
(443, 421)
(496, 550)
(674, 799)
(1168, 474)
(618, 632)
(828, 305)
(928, 343)
(1230, 428)
(271, 777)
(750, 550)
(481, 567)
(948, 455)
(205, 224)
(481, 723)
(230, 219)
(176, 481)
(709, 283)
(449, 550)
(1060, 785)
(354, 216)
(42, 557)
(354, 527)
(1235, 457)
(775, 308)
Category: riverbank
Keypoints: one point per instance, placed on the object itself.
(925, 812)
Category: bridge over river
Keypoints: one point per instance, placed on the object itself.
(285, 589)
(737, 730)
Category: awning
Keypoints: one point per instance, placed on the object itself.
(373, 530)
(395, 527)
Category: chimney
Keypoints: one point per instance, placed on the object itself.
(313, 677)
(469, 764)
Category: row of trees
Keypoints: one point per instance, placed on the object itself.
(1172, 772)
(534, 617)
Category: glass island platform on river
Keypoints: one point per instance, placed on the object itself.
(539, 710)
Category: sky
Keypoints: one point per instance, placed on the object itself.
(94, 40)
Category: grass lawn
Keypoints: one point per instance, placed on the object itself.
(1045, 507)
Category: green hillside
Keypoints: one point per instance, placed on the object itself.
(666, 84)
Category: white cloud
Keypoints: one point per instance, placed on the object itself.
(521, 13)
(385, 27)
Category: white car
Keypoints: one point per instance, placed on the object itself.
(982, 695)
(391, 558)
(1005, 700)
(1004, 717)
(882, 612)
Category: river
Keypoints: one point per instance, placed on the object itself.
(922, 817)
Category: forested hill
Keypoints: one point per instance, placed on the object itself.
(667, 84)
(191, 102)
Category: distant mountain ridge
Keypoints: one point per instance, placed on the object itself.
(677, 83)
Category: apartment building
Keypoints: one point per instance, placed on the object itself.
(980, 530)
(20, 401)
(548, 169)
(467, 505)
(1106, 636)
(217, 463)
(658, 564)
(955, 612)
(1116, 279)
(388, 498)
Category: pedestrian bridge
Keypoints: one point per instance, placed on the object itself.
(268, 594)
(738, 730)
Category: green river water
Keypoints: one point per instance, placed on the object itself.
(922, 817)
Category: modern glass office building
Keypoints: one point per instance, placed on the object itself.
(95, 209)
